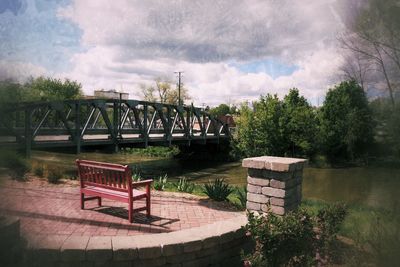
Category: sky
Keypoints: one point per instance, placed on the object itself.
(230, 51)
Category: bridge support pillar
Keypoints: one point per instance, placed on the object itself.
(273, 184)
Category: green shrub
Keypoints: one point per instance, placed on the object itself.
(219, 190)
(241, 193)
(154, 151)
(160, 184)
(16, 165)
(39, 169)
(54, 175)
(296, 239)
(136, 177)
(184, 185)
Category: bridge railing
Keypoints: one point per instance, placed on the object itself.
(106, 121)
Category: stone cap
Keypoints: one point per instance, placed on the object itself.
(278, 164)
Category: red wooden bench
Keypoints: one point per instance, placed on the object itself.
(113, 181)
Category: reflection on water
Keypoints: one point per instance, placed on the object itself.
(376, 187)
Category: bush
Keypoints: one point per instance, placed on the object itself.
(295, 239)
(54, 175)
(241, 193)
(160, 184)
(136, 177)
(16, 164)
(219, 190)
(39, 169)
(184, 185)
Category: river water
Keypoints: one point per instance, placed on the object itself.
(375, 187)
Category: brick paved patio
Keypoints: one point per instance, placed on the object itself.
(55, 209)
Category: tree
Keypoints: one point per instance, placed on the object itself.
(48, 89)
(346, 122)
(299, 122)
(375, 38)
(163, 92)
(223, 109)
(11, 91)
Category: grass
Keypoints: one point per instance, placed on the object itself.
(374, 234)
(153, 151)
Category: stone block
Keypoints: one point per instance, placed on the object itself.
(154, 262)
(257, 181)
(123, 248)
(278, 164)
(256, 173)
(254, 163)
(99, 248)
(253, 189)
(181, 257)
(273, 192)
(75, 264)
(74, 248)
(49, 247)
(112, 263)
(284, 202)
(253, 206)
(191, 246)
(285, 184)
(207, 252)
(197, 262)
(280, 176)
(149, 246)
(258, 198)
(210, 242)
(277, 209)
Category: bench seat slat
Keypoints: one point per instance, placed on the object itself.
(136, 194)
(111, 193)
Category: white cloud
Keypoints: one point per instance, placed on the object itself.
(133, 42)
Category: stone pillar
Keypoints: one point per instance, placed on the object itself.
(274, 182)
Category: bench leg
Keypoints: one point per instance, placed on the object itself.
(130, 211)
(99, 201)
(148, 208)
(82, 201)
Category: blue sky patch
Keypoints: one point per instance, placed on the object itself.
(32, 32)
(272, 67)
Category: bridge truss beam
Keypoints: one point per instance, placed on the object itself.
(79, 123)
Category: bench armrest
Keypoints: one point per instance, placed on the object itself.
(141, 183)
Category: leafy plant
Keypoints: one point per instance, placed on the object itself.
(296, 239)
(136, 177)
(16, 164)
(241, 193)
(161, 183)
(54, 175)
(219, 190)
(184, 185)
(39, 169)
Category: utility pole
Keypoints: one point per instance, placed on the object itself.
(179, 86)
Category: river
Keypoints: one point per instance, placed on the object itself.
(375, 187)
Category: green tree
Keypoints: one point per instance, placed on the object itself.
(299, 123)
(222, 109)
(259, 130)
(346, 122)
(11, 91)
(48, 89)
(277, 127)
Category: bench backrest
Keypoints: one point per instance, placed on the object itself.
(105, 175)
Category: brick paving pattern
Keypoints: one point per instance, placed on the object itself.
(46, 209)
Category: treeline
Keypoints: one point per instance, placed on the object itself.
(39, 89)
(346, 129)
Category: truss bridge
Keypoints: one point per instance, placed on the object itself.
(94, 122)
